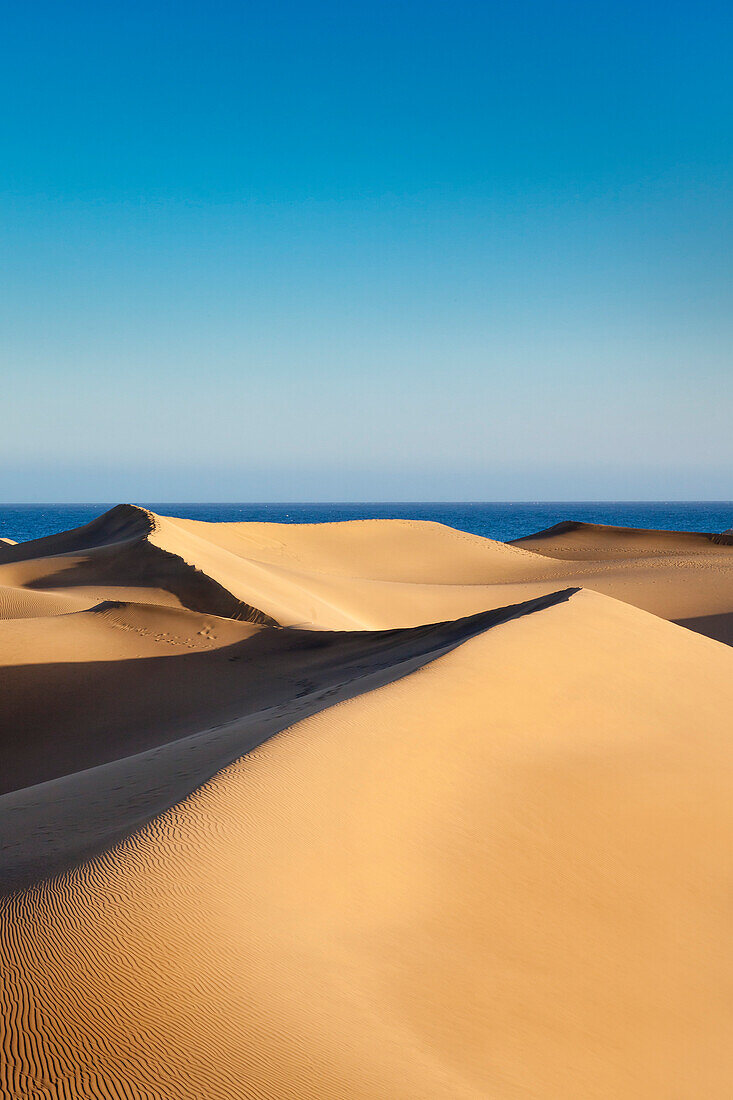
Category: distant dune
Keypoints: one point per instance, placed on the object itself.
(375, 809)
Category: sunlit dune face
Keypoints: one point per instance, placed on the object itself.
(482, 857)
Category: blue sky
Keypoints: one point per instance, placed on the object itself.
(328, 251)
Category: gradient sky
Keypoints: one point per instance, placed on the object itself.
(351, 251)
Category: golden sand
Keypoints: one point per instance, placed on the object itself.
(384, 850)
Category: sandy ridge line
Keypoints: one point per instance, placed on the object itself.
(55, 825)
(242, 611)
(131, 529)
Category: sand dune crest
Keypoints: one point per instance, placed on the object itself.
(368, 810)
(475, 882)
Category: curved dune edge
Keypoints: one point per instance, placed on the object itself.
(363, 575)
(497, 876)
(21, 603)
(124, 739)
(120, 550)
(577, 537)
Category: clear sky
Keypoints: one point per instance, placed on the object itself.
(400, 250)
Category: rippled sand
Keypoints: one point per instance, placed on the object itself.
(313, 812)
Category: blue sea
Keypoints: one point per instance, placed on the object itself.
(503, 521)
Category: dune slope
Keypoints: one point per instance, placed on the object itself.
(505, 875)
(111, 715)
(686, 577)
(370, 575)
(367, 809)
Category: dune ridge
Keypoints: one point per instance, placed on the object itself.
(119, 550)
(130, 736)
(372, 574)
(576, 537)
(540, 913)
(364, 809)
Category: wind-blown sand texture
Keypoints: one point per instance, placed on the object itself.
(372, 810)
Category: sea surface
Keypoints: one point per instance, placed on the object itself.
(503, 521)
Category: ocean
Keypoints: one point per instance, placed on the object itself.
(503, 521)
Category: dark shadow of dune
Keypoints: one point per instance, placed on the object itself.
(123, 523)
(717, 627)
(95, 749)
(140, 564)
(113, 550)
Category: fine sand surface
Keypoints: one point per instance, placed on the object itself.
(372, 810)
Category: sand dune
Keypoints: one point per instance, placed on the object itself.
(370, 810)
(94, 747)
(683, 576)
(18, 602)
(594, 541)
(376, 574)
(454, 886)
